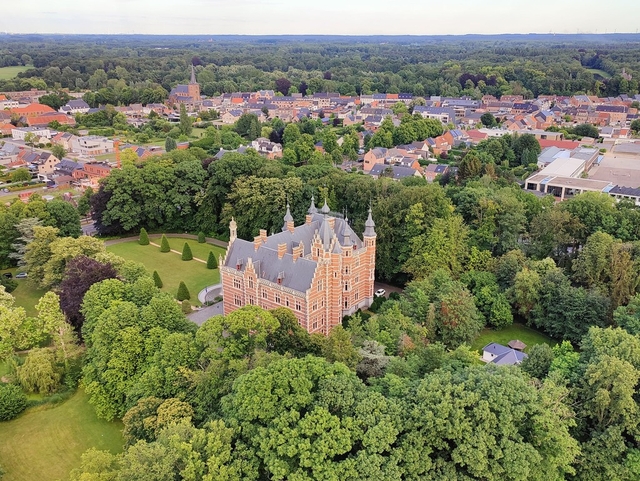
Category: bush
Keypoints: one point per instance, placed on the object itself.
(12, 401)
(144, 237)
(164, 244)
(186, 252)
(201, 238)
(9, 284)
(183, 292)
(186, 307)
(156, 279)
(212, 263)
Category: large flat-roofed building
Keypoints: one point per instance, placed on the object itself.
(321, 270)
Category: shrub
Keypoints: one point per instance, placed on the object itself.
(201, 238)
(186, 307)
(186, 252)
(144, 237)
(164, 244)
(183, 292)
(212, 263)
(39, 373)
(156, 279)
(12, 401)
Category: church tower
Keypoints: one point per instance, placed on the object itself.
(194, 88)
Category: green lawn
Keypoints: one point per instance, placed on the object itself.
(46, 443)
(25, 295)
(7, 73)
(516, 331)
(171, 268)
(601, 73)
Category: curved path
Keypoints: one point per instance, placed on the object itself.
(209, 293)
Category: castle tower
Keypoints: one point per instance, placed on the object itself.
(288, 221)
(369, 238)
(233, 231)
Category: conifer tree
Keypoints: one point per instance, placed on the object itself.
(183, 292)
(186, 307)
(164, 244)
(201, 238)
(144, 237)
(156, 279)
(186, 252)
(212, 263)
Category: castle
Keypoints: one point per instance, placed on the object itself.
(321, 270)
(186, 94)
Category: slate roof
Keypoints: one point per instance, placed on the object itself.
(505, 356)
(399, 172)
(298, 274)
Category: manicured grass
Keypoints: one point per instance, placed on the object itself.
(601, 73)
(46, 443)
(7, 73)
(171, 268)
(25, 295)
(516, 331)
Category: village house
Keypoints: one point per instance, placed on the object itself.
(321, 270)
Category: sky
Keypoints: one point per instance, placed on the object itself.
(334, 17)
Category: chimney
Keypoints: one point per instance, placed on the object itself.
(297, 252)
(282, 249)
(332, 222)
(308, 219)
(263, 235)
(257, 241)
(290, 227)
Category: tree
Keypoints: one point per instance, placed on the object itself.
(12, 401)
(488, 120)
(183, 292)
(58, 151)
(84, 203)
(25, 228)
(539, 360)
(338, 347)
(290, 337)
(39, 373)
(201, 238)
(164, 244)
(586, 130)
(291, 135)
(170, 144)
(248, 126)
(186, 252)
(80, 274)
(144, 237)
(212, 262)
(65, 217)
(21, 175)
(185, 121)
(635, 126)
(283, 85)
(156, 280)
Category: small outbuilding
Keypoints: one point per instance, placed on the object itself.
(502, 355)
(517, 345)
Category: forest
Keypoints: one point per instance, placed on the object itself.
(142, 69)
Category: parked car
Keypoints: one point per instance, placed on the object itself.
(380, 293)
(21, 275)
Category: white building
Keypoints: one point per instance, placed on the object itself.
(19, 133)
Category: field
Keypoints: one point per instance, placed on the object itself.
(25, 295)
(171, 268)
(46, 443)
(7, 73)
(516, 331)
(600, 73)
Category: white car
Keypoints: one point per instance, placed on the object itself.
(380, 293)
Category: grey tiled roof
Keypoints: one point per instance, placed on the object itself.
(298, 274)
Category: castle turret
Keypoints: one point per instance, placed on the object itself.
(288, 221)
(369, 227)
(233, 231)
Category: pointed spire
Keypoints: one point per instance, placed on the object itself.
(369, 225)
(193, 75)
(325, 208)
(233, 230)
(346, 233)
(312, 209)
(287, 219)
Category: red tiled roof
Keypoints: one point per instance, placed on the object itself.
(561, 144)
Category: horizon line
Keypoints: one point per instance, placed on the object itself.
(599, 34)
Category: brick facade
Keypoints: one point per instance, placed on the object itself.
(321, 270)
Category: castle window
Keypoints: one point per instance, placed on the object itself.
(346, 286)
(250, 282)
(286, 302)
(265, 294)
(315, 325)
(357, 295)
(277, 298)
(346, 270)
(357, 279)
(298, 306)
(357, 261)
(346, 303)
(315, 306)
(252, 300)
(237, 300)
(237, 284)
(322, 303)
(319, 285)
